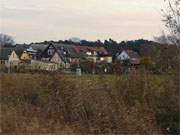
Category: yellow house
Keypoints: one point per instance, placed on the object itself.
(25, 56)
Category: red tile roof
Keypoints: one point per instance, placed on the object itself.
(84, 49)
(134, 57)
(132, 54)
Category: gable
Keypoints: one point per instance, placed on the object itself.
(49, 51)
(25, 56)
(123, 56)
(13, 57)
(56, 58)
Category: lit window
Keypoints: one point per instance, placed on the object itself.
(89, 53)
(102, 59)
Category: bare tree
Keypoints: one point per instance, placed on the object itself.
(6, 40)
(162, 39)
(171, 15)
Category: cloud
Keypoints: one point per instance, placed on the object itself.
(89, 18)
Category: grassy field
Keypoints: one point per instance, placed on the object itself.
(90, 104)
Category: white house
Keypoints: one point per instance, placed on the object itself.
(129, 55)
(13, 59)
(9, 58)
(123, 56)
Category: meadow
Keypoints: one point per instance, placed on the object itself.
(89, 104)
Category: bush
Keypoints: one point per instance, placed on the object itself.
(99, 104)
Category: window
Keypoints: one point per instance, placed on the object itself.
(102, 59)
(50, 51)
(2, 62)
(88, 53)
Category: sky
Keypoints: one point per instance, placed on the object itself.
(38, 20)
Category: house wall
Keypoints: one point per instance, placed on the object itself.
(92, 58)
(3, 64)
(74, 60)
(61, 64)
(58, 60)
(107, 59)
(68, 65)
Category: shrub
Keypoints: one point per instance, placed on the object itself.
(90, 104)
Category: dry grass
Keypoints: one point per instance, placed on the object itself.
(58, 104)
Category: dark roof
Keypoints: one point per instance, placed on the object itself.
(69, 49)
(5, 52)
(22, 46)
(71, 52)
(39, 47)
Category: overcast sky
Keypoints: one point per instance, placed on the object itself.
(39, 20)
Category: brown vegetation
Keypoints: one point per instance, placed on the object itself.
(56, 104)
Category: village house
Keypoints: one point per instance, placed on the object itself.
(9, 58)
(60, 60)
(25, 56)
(95, 54)
(32, 53)
(34, 50)
(63, 55)
(25, 61)
(52, 57)
(106, 58)
(69, 52)
(13, 59)
(48, 52)
(130, 55)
